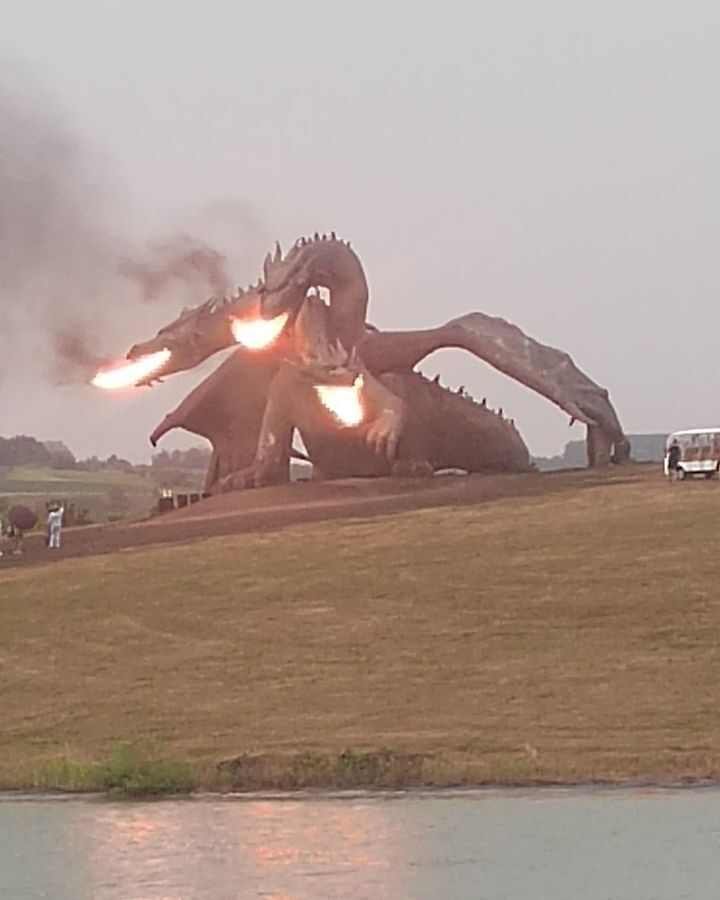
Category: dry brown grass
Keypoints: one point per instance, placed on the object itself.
(572, 636)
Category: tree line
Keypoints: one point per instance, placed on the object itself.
(23, 450)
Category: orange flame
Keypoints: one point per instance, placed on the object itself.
(132, 372)
(343, 401)
(255, 334)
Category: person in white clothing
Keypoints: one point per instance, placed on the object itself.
(54, 524)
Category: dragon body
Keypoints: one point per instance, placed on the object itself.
(250, 407)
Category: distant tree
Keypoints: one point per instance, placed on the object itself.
(113, 463)
(116, 463)
(192, 458)
(161, 460)
(61, 457)
(91, 464)
(23, 450)
(197, 458)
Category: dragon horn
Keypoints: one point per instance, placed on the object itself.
(266, 266)
(278, 252)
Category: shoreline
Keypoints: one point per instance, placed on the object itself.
(592, 788)
(130, 773)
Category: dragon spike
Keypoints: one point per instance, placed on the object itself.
(316, 236)
(324, 237)
(333, 236)
(278, 252)
(266, 266)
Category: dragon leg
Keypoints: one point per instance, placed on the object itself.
(288, 401)
(550, 372)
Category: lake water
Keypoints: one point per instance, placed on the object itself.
(519, 845)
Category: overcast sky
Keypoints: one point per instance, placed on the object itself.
(555, 163)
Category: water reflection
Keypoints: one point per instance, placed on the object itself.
(562, 845)
(264, 848)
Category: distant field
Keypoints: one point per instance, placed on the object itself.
(44, 475)
(571, 636)
(104, 494)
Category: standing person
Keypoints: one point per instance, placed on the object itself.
(673, 458)
(54, 524)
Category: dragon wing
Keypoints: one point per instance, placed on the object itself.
(546, 370)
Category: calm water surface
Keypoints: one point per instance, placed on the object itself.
(542, 845)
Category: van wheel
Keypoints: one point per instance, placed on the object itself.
(712, 474)
(680, 474)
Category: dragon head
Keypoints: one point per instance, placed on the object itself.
(197, 333)
(323, 261)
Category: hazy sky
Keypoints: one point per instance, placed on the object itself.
(552, 162)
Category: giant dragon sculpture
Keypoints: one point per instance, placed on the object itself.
(312, 351)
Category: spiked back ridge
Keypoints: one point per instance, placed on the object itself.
(296, 267)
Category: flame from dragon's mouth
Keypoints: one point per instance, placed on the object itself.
(343, 401)
(131, 373)
(256, 334)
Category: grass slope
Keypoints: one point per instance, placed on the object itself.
(560, 638)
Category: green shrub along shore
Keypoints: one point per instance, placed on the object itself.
(564, 637)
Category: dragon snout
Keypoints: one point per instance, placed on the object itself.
(137, 351)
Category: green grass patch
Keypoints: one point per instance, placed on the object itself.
(39, 475)
(132, 772)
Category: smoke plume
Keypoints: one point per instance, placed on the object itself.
(74, 284)
(181, 259)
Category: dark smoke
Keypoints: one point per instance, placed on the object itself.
(54, 250)
(73, 284)
(74, 353)
(181, 259)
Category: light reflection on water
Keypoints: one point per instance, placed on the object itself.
(663, 845)
(263, 848)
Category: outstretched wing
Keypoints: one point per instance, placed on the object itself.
(550, 372)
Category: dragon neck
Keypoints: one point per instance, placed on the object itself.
(332, 264)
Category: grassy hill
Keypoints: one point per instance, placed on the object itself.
(571, 636)
(105, 494)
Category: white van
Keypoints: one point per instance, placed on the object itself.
(699, 452)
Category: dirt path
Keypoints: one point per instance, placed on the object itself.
(269, 509)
